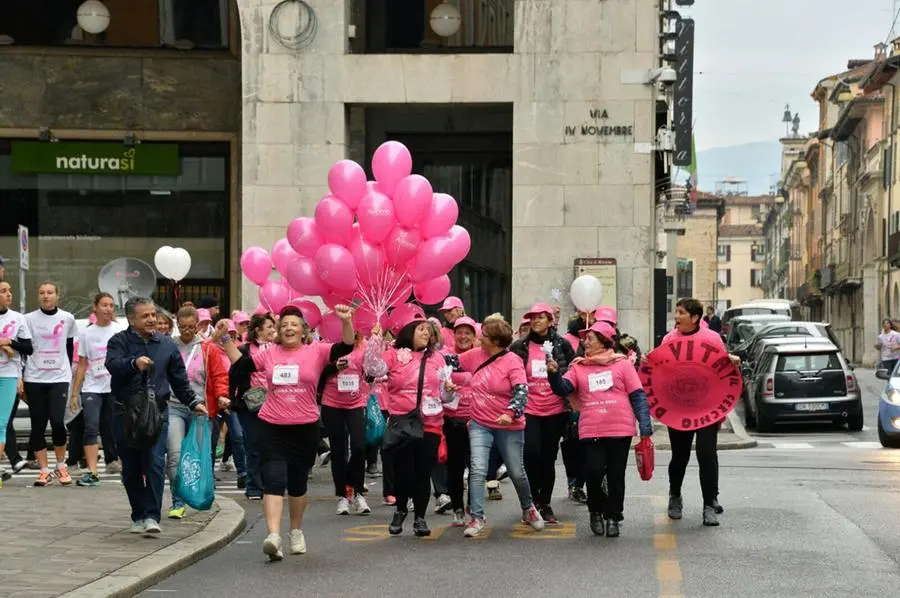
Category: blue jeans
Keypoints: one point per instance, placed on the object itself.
(143, 470)
(236, 438)
(511, 444)
(179, 422)
(250, 426)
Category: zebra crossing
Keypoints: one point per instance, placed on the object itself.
(800, 446)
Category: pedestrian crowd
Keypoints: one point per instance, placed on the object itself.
(464, 405)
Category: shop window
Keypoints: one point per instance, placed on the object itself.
(685, 279)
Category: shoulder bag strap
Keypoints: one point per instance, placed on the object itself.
(489, 361)
(426, 355)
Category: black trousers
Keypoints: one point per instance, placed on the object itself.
(606, 457)
(457, 435)
(12, 451)
(346, 429)
(574, 460)
(707, 459)
(542, 436)
(413, 463)
(47, 403)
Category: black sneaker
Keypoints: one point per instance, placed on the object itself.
(396, 526)
(710, 519)
(548, 515)
(676, 507)
(5, 475)
(372, 469)
(242, 482)
(597, 524)
(612, 528)
(420, 528)
(578, 495)
(717, 507)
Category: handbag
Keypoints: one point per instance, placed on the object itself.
(254, 398)
(645, 457)
(142, 414)
(401, 429)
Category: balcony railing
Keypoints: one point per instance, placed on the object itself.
(870, 166)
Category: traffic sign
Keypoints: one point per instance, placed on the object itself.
(23, 247)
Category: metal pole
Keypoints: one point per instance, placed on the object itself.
(21, 290)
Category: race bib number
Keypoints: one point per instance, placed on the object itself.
(538, 368)
(98, 369)
(348, 383)
(49, 362)
(431, 406)
(285, 375)
(600, 381)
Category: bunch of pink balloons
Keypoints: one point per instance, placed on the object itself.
(371, 243)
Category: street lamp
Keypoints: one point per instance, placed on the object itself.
(445, 19)
(93, 17)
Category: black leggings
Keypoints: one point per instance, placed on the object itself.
(341, 424)
(47, 402)
(287, 453)
(707, 459)
(574, 460)
(457, 435)
(413, 463)
(542, 436)
(606, 457)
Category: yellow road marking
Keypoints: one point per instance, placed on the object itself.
(561, 531)
(437, 532)
(366, 533)
(668, 570)
(664, 542)
(661, 520)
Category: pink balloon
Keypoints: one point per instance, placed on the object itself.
(274, 295)
(364, 320)
(441, 216)
(336, 267)
(460, 243)
(304, 278)
(412, 200)
(369, 260)
(331, 329)
(334, 219)
(330, 299)
(260, 310)
(256, 265)
(435, 258)
(282, 255)
(376, 217)
(401, 294)
(390, 163)
(303, 235)
(347, 182)
(432, 291)
(311, 312)
(401, 245)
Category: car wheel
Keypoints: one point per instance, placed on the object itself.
(763, 423)
(887, 440)
(855, 422)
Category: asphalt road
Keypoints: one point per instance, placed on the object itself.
(800, 521)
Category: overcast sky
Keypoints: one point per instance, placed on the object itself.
(755, 56)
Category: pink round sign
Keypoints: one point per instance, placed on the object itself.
(690, 383)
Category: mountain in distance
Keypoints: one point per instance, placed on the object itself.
(759, 163)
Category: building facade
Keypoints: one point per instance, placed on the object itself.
(697, 249)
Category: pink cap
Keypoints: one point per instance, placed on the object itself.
(601, 328)
(525, 320)
(466, 321)
(241, 317)
(451, 303)
(403, 315)
(540, 308)
(607, 314)
(231, 326)
(203, 315)
(435, 321)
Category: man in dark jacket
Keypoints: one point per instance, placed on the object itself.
(133, 356)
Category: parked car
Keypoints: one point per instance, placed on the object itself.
(746, 349)
(802, 380)
(889, 409)
(755, 308)
(743, 328)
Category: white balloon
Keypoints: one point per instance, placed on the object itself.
(180, 264)
(586, 293)
(162, 260)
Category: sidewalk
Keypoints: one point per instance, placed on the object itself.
(732, 436)
(74, 542)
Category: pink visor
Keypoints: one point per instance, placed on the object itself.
(601, 328)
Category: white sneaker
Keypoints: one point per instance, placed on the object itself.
(343, 507)
(298, 542)
(502, 474)
(151, 527)
(114, 467)
(362, 507)
(442, 504)
(272, 547)
(137, 527)
(227, 466)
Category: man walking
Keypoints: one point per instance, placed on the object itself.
(132, 355)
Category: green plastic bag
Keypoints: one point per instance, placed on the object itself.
(374, 422)
(195, 482)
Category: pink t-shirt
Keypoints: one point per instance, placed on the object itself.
(348, 388)
(602, 392)
(703, 334)
(461, 408)
(292, 376)
(403, 381)
(258, 379)
(541, 400)
(490, 390)
(574, 341)
(448, 339)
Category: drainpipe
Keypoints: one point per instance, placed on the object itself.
(890, 191)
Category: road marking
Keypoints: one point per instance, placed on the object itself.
(564, 530)
(665, 544)
(792, 445)
(366, 533)
(863, 445)
(437, 532)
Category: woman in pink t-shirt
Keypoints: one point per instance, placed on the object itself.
(344, 397)
(547, 414)
(414, 387)
(289, 428)
(604, 387)
(498, 395)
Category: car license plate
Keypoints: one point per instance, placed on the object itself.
(812, 406)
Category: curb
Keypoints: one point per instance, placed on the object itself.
(730, 446)
(148, 571)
